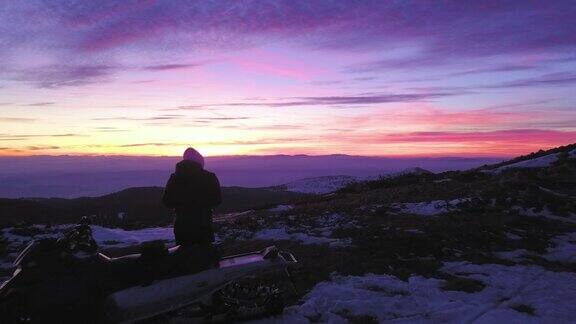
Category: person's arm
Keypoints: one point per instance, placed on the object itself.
(215, 193)
(168, 198)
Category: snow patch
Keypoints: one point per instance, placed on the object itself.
(516, 255)
(531, 212)
(564, 249)
(119, 237)
(513, 236)
(539, 162)
(429, 208)
(301, 228)
(385, 298)
(14, 239)
(278, 234)
(442, 180)
(319, 231)
(103, 235)
(281, 208)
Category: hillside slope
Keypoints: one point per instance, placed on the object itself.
(327, 184)
(541, 158)
(136, 206)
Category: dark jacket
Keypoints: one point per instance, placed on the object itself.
(192, 192)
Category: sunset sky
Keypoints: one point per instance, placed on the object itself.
(382, 78)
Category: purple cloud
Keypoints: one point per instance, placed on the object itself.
(446, 29)
(364, 99)
(56, 76)
(548, 80)
(494, 69)
(90, 33)
(165, 67)
(343, 101)
(66, 75)
(40, 104)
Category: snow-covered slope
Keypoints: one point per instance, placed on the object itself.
(539, 162)
(327, 184)
(380, 298)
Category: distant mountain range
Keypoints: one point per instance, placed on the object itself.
(78, 176)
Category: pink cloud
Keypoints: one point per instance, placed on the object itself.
(422, 116)
(528, 136)
(500, 142)
(274, 64)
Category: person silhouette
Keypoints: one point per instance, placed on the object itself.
(192, 192)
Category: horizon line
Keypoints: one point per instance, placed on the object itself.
(399, 156)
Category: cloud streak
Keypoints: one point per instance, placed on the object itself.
(153, 118)
(58, 76)
(548, 80)
(17, 119)
(343, 101)
(40, 104)
(169, 67)
(14, 137)
(517, 135)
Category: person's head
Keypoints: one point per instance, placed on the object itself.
(192, 155)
